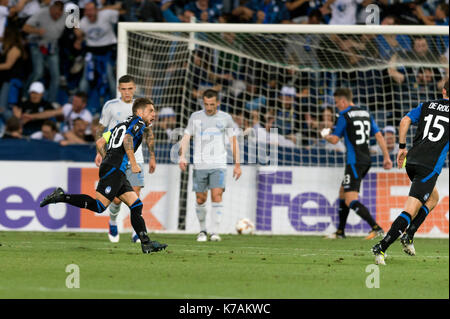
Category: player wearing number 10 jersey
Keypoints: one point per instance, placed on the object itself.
(356, 126)
(424, 162)
(117, 147)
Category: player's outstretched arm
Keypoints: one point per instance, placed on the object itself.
(405, 123)
(128, 145)
(150, 140)
(387, 163)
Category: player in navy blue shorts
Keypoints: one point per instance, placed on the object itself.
(356, 125)
(424, 162)
(117, 147)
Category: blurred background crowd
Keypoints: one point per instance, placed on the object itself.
(54, 80)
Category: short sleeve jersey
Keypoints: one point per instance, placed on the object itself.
(116, 111)
(430, 144)
(115, 154)
(101, 32)
(209, 133)
(356, 126)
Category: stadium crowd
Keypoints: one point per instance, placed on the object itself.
(54, 79)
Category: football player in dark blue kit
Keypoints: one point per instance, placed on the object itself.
(356, 126)
(424, 162)
(117, 147)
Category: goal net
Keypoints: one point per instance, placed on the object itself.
(277, 82)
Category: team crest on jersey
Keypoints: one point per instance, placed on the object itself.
(220, 125)
(108, 189)
(136, 128)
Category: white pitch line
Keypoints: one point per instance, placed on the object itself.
(118, 292)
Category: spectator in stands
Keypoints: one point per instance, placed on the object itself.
(77, 135)
(203, 76)
(44, 28)
(390, 43)
(142, 10)
(173, 10)
(327, 119)
(165, 125)
(389, 134)
(203, 11)
(413, 85)
(21, 10)
(268, 133)
(242, 12)
(35, 104)
(94, 127)
(11, 70)
(69, 112)
(97, 29)
(420, 52)
(264, 11)
(13, 129)
(440, 18)
(251, 99)
(342, 11)
(4, 13)
(298, 10)
(440, 15)
(48, 132)
(287, 117)
(270, 12)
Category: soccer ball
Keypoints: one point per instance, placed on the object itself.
(245, 226)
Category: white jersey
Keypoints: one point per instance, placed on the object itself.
(344, 12)
(117, 111)
(4, 12)
(101, 32)
(70, 116)
(210, 138)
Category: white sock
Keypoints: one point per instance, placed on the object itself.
(216, 215)
(113, 213)
(201, 215)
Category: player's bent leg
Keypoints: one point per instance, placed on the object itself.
(407, 239)
(137, 189)
(97, 205)
(400, 224)
(114, 209)
(216, 212)
(351, 200)
(134, 203)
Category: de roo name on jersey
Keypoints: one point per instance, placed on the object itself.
(438, 107)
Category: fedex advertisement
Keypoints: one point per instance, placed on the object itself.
(304, 200)
(24, 184)
(280, 200)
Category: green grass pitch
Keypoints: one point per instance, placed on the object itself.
(33, 265)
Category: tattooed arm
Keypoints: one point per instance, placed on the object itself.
(101, 146)
(100, 152)
(128, 145)
(149, 138)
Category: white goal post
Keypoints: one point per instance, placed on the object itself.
(124, 27)
(283, 77)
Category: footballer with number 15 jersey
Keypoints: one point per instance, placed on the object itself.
(423, 163)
